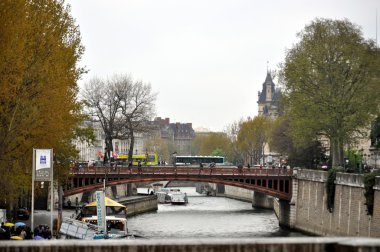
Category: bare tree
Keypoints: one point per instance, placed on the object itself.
(104, 106)
(137, 108)
(123, 107)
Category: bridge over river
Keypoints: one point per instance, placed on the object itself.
(275, 182)
(300, 195)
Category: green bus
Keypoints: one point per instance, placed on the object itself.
(197, 160)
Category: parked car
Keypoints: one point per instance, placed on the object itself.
(23, 214)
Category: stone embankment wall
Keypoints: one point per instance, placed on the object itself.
(237, 193)
(257, 199)
(307, 211)
(349, 216)
(140, 204)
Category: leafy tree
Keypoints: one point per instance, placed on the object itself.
(216, 144)
(160, 146)
(375, 133)
(354, 159)
(197, 143)
(331, 79)
(40, 48)
(280, 140)
(214, 141)
(235, 156)
(369, 180)
(218, 152)
(252, 137)
(302, 156)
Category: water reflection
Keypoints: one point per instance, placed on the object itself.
(208, 217)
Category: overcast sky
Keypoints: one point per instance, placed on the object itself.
(206, 59)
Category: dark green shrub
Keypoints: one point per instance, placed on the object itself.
(330, 187)
(369, 193)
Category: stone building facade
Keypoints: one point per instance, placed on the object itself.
(268, 98)
(267, 102)
(178, 135)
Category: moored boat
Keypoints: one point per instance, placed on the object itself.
(86, 227)
(178, 198)
(163, 196)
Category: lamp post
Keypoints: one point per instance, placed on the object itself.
(361, 161)
(105, 169)
(374, 152)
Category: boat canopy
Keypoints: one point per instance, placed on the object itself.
(109, 202)
(112, 208)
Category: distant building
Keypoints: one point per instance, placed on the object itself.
(95, 151)
(268, 98)
(267, 102)
(180, 134)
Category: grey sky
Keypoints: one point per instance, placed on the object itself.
(206, 59)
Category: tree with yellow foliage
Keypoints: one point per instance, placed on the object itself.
(40, 48)
(215, 144)
(252, 137)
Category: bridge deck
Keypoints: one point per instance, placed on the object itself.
(275, 182)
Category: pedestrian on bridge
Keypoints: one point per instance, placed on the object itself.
(200, 168)
(139, 167)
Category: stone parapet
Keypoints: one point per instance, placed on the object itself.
(291, 244)
(377, 184)
(349, 179)
(312, 175)
(138, 205)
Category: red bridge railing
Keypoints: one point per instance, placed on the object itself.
(184, 170)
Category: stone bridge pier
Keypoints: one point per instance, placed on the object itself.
(286, 210)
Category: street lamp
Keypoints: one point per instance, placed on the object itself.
(361, 161)
(374, 153)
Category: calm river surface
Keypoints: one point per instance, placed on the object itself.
(206, 217)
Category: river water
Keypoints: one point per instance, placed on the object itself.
(208, 217)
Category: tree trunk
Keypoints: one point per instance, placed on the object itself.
(109, 148)
(336, 151)
(130, 153)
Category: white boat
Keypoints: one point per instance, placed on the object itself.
(76, 229)
(116, 227)
(163, 197)
(177, 197)
(87, 228)
(145, 191)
